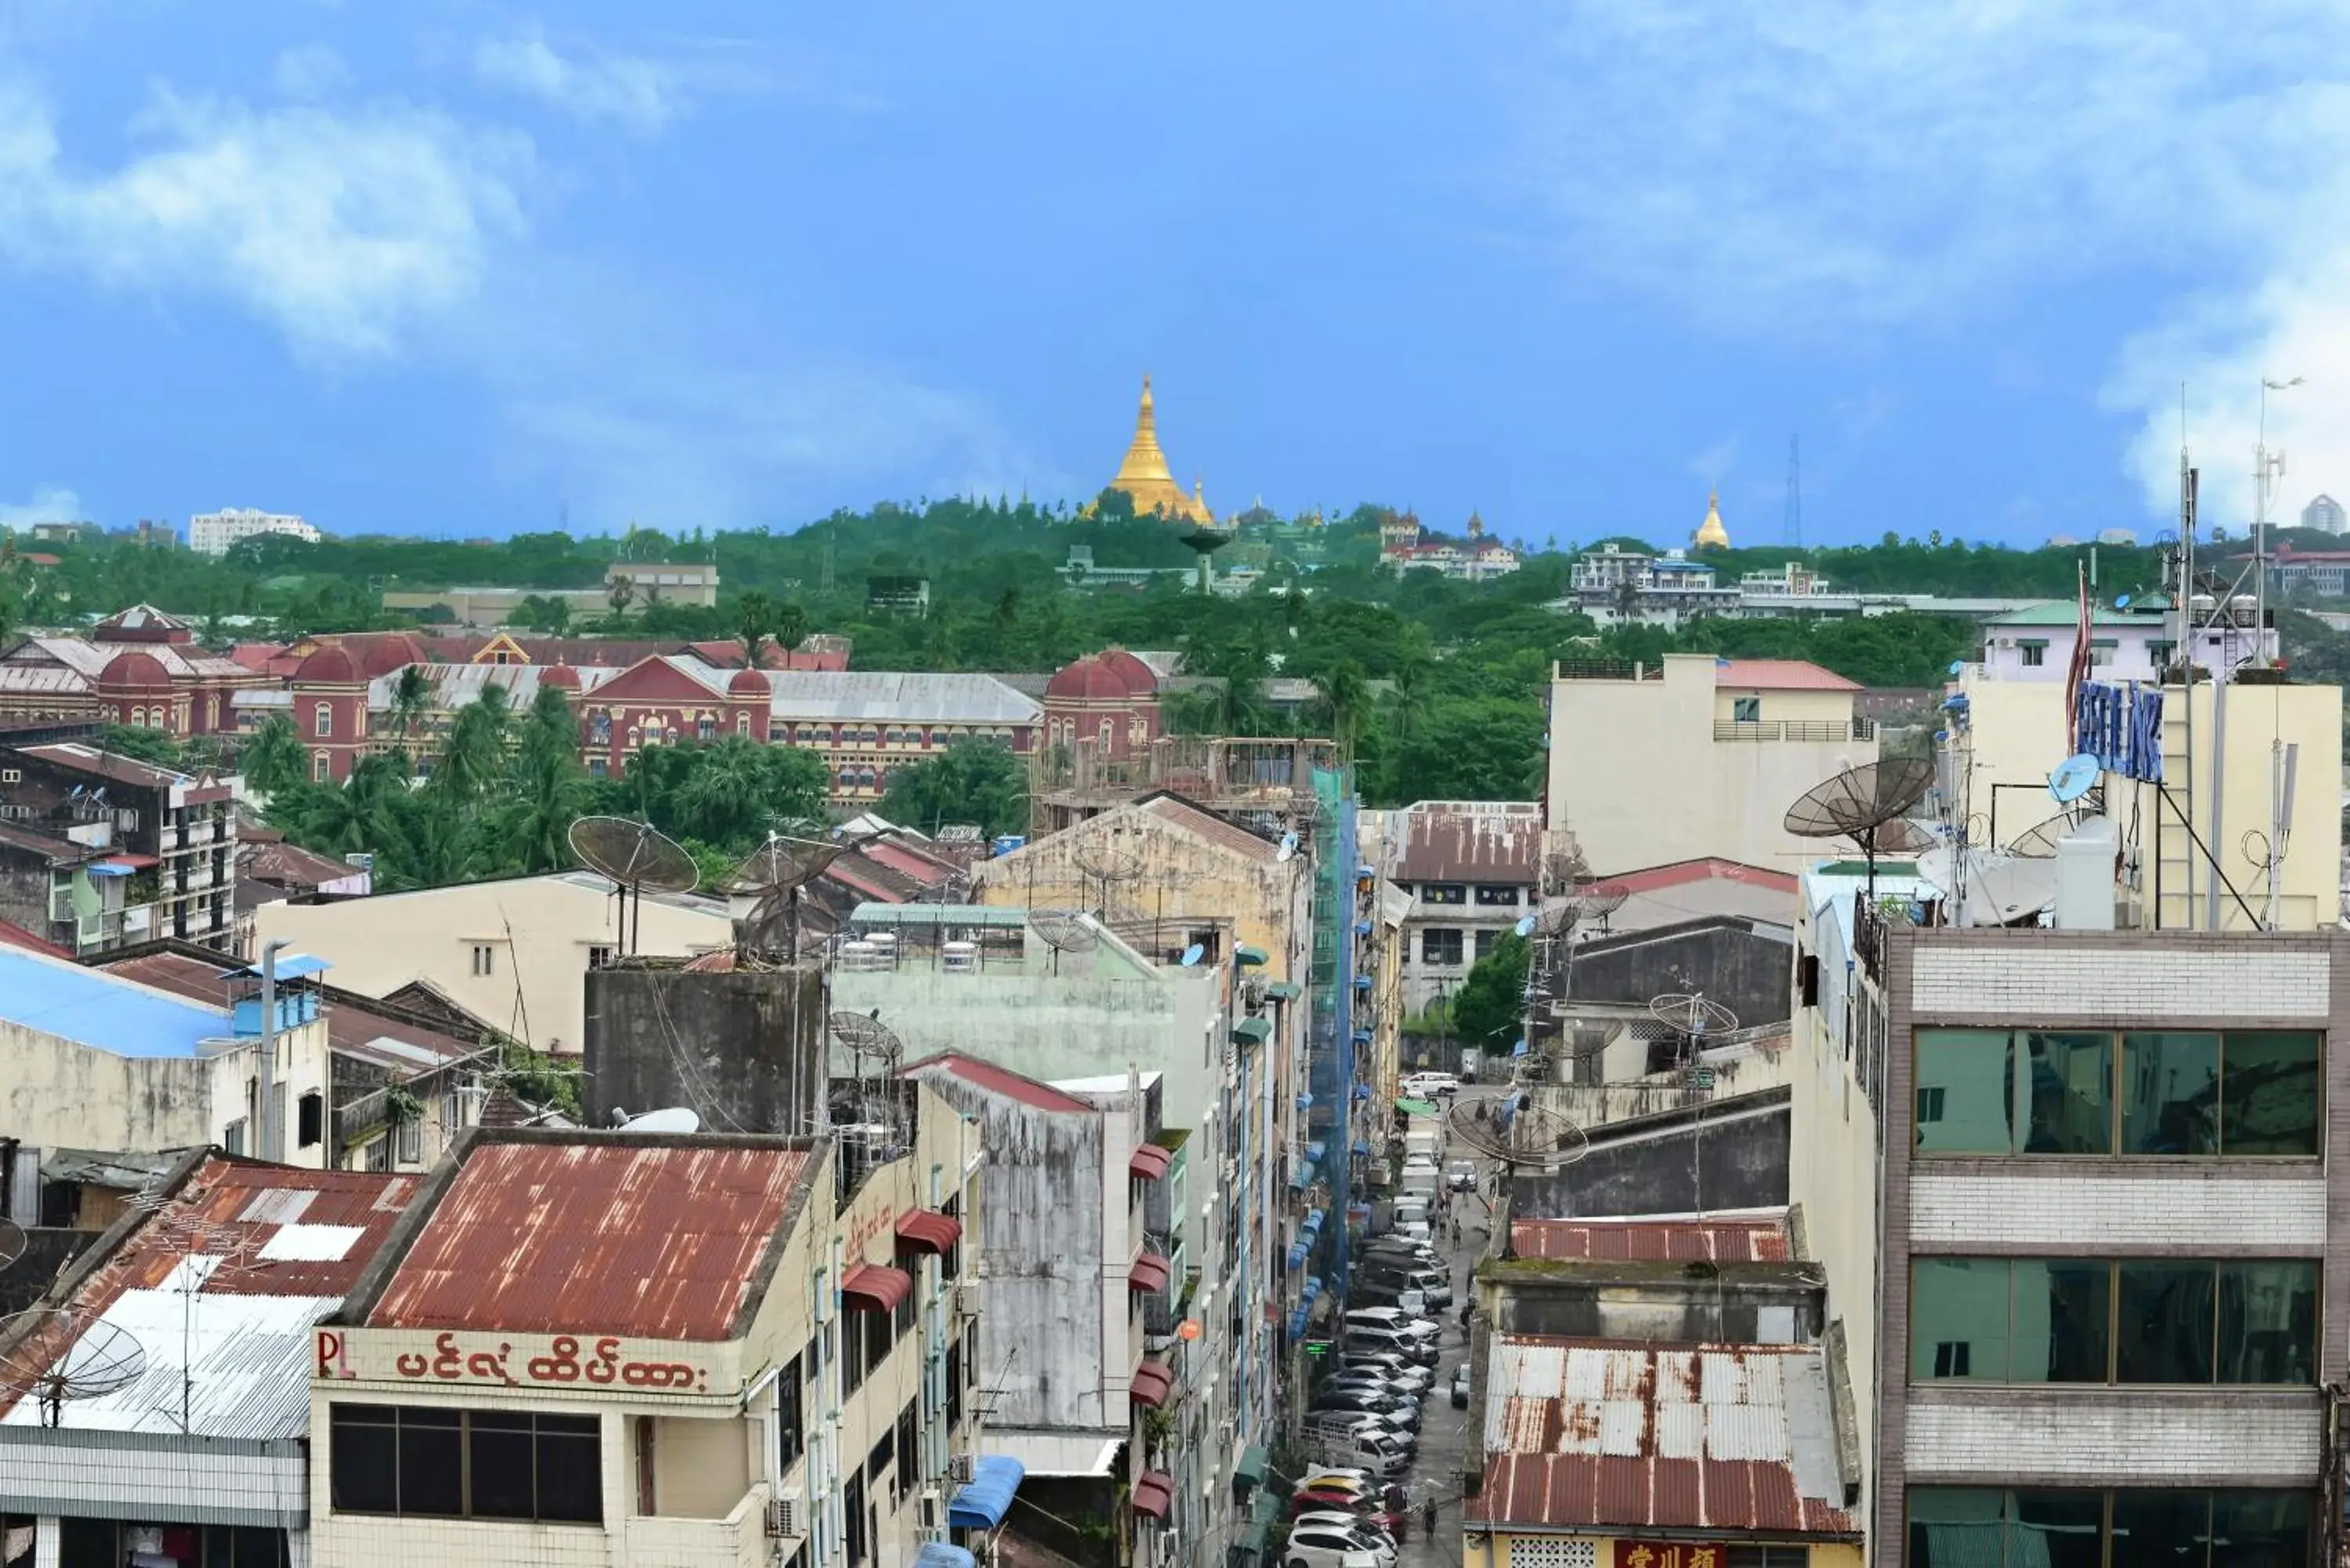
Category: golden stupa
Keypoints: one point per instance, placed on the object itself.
(1146, 479)
(1711, 534)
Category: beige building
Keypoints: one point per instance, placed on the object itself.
(89, 1060)
(789, 1383)
(513, 952)
(628, 586)
(1696, 757)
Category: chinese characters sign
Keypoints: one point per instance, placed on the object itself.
(1666, 1554)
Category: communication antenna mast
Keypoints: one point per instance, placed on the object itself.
(776, 872)
(635, 857)
(59, 1356)
(873, 1131)
(1065, 931)
(1859, 802)
(1792, 524)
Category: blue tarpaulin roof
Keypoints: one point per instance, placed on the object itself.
(1301, 1177)
(938, 1554)
(101, 1010)
(981, 1502)
(292, 966)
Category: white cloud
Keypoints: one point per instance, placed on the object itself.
(313, 71)
(1818, 168)
(340, 230)
(641, 94)
(48, 503)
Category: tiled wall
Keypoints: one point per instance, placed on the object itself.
(2153, 1208)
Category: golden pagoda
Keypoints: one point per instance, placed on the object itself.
(1711, 534)
(1148, 481)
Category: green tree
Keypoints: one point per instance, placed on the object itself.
(791, 627)
(412, 698)
(148, 745)
(975, 781)
(473, 757)
(755, 624)
(1488, 1009)
(273, 759)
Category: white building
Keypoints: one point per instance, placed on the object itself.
(2325, 512)
(211, 533)
(2137, 643)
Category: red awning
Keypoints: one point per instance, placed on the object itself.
(928, 1231)
(1154, 1494)
(1149, 1274)
(1149, 1162)
(1150, 1384)
(875, 1287)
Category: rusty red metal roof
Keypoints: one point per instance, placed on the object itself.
(1598, 1435)
(656, 1240)
(1706, 868)
(1464, 846)
(1756, 1240)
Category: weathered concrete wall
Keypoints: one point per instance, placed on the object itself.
(1732, 1162)
(1043, 1338)
(744, 1048)
(59, 1094)
(1681, 1304)
(1745, 966)
(47, 1253)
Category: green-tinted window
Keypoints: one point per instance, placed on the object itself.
(2268, 1322)
(2061, 1327)
(1962, 1074)
(2059, 1529)
(2164, 1322)
(2259, 1528)
(2068, 1093)
(2170, 1094)
(2270, 1092)
(1955, 1527)
(1972, 1527)
(1958, 1320)
(2163, 1529)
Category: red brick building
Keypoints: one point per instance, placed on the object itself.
(1109, 698)
(140, 668)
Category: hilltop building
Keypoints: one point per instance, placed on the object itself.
(2325, 512)
(1145, 477)
(628, 585)
(212, 533)
(1406, 545)
(2136, 641)
(1710, 535)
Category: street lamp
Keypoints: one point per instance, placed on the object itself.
(2267, 467)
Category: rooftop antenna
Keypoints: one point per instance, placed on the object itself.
(1694, 1019)
(1065, 931)
(634, 857)
(59, 1356)
(777, 871)
(1859, 803)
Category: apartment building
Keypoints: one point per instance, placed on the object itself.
(168, 837)
(212, 533)
(1472, 871)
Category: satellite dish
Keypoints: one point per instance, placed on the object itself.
(2073, 776)
(1693, 1016)
(633, 857)
(1859, 803)
(1999, 888)
(774, 873)
(2121, 601)
(1107, 864)
(1065, 931)
(59, 1356)
(2039, 841)
(866, 1035)
(1525, 926)
(1601, 900)
(674, 1119)
(12, 1242)
(1193, 955)
(1513, 1130)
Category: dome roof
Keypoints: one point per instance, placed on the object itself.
(748, 682)
(131, 670)
(561, 675)
(387, 653)
(1140, 680)
(1711, 534)
(1088, 679)
(330, 666)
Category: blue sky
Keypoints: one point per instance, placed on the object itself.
(445, 267)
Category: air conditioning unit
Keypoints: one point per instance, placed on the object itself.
(934, 1509)
(959, 1468)
(967, 1298)
(787, 1513)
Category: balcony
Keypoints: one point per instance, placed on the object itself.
(737, 1541)
(1813, 729)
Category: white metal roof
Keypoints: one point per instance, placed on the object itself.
(832, 695)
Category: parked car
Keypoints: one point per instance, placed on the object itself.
(1370, 1509)
(1341, 1538)
(1430, 1086)
(1417, 1229)
(1375, 1537)
(1336, 1478)
(1398, 1410)
(1462, 1176)
(1461, 1386)
(1310, 1549)
(1405, 1371)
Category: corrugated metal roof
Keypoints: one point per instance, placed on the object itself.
(1660, 1241)
(657, 1241)
(1207, 825)
(1463, 846)
(221, 1309)
(42, 680)
(1003, 1081)
(826, 695)
(356, 1026)
(1585, 1433)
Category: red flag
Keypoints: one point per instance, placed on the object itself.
(2078, 670)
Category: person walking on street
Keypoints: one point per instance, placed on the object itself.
(1428, 1519)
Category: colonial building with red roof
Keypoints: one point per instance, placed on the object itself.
(140, 668)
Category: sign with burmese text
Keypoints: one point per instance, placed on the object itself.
(560, 1362)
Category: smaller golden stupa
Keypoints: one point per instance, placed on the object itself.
(1147, 479)
(1711, 534)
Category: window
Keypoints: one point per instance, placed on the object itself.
(466, 1464)
(2242, 1094)
(705, 728)
(600, 767)
(485, 958)
(2158, 653)
(2101, 651)
(411, 1141)
(791, 1438)
(378, 1154)
(1444, 893)
(1439, 945)
(1485, 940)
(319, 767)
(2032, 653)
(233, 1136)
(877, 1460)
(2168, 1526)
(322, 720)
(1487, 893)
(1746, 709)
(309, 1119)
(2100, 1321)
(742, 723)
(852, 1500)
(597, 956)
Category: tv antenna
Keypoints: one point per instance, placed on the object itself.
(777, 871)
(1065, 931)
(60, 1356)
(1107, 864)
(635, 857)
(1859, 804)
(1598, 900)
(1693, 1018)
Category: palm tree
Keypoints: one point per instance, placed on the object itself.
(755, 623)
(1346, 693)
(274, 759)
(475, 754)
(726, 794)
(791, 627)
(411, 695)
